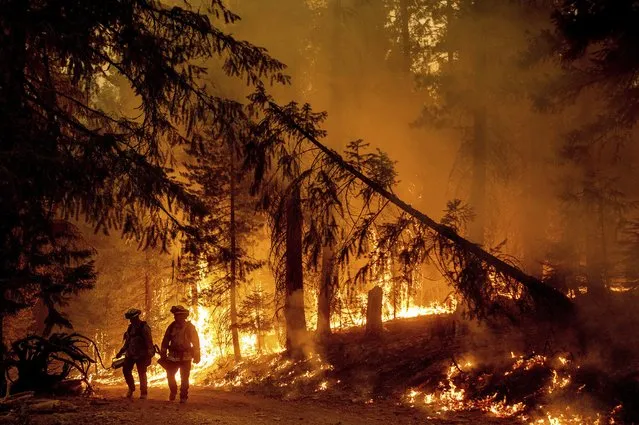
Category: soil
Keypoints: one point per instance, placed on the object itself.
(209, 406)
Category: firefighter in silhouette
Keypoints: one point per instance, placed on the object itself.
(180, 346)
(138, 350)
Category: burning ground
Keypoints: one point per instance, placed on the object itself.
(433, 368)
(444, 366)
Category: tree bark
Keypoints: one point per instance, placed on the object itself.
(3, 354)
(325, 293)
(148, 290)
(233, 287)
(294, 302)
(374, 325)
(478, 185)
(542, 294)
(405, 19)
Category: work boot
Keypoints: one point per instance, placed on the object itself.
(172, 396)
(129, 393)
(182, 400)
(143, 396)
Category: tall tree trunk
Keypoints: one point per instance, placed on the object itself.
(259, 326)
(595, 238)
(479, 148)
(374, 326)
(233, 290)
(195, 296)
(3, 366)
(294, 302)
(478, 184)
(534, 212)
(404, 17)
(604, 243)
(13, 39)
(325, 293)
(148, 289)
(449, 22)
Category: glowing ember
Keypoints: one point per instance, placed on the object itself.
(449, 397)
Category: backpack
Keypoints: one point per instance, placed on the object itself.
(180, 337)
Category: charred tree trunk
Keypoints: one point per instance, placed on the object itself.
(374, 312)
(294, 302)
(325, 293)
(233, 284)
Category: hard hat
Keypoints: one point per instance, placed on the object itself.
(131, 313)
(178, 309)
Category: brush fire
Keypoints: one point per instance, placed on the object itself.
(411, 211)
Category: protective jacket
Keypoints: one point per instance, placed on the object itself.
(181, 341)
(138, 342)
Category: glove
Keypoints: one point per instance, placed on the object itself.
(120, 353)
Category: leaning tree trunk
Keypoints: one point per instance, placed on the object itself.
(325, 293)
(543, 295)
(294, 302)
(233, 289)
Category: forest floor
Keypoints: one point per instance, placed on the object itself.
(465, 371)
(209, 406)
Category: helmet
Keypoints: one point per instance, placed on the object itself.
(178, 309)
(131, 313)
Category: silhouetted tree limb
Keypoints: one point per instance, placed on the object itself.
(544, 296)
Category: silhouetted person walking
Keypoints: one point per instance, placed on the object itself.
(182, 343)
(138, 350)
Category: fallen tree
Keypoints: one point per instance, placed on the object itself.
(545, 298)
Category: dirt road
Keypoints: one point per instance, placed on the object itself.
(208, 406)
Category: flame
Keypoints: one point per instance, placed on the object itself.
(619, 288)
(450, 398)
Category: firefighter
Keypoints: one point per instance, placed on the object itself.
(138, 350)
(180, 346)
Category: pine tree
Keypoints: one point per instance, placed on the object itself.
(256, 315)
(219, 253)
(65, 157)
(596, 41)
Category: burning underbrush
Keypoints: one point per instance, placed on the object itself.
(348, 365)
(277, 376)
(534, 389)
(446, 366)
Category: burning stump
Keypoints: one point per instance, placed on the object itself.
(374, 312)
